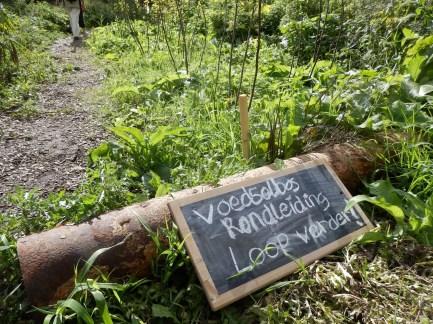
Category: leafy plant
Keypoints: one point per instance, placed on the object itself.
(419, 60)
(139, 154)
(8, 43)
(331, 72)
(24, 39)
(412, 216)
(88, 293)
(278, 138)
(12, 294)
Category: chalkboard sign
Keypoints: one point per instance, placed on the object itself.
(244, 236)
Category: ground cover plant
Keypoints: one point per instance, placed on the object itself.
(319, 72)
(25, 32)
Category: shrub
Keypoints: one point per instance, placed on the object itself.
(100, 12)
(306, 36)
(8, 46)
(25, 32)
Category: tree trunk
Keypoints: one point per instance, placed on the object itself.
(48, 259)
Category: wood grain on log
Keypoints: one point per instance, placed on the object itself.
(48, 259)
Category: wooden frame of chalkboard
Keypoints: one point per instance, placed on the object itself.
(220, 297)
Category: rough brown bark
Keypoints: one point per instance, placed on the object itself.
(47, 259)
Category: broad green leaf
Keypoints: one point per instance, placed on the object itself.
(145, 87)
(408, 33)
(369, 73)
(416, 91)
(155, 180)
(372, 237)
(131, 135)
(137, 135)
(163, 132)
(373, 122)
(125, 89)
(414, 66)
(98, 152)
(163, 189)
(394, 210)
(427, 225)
(415, 224)
(384, 188)
(132, 173)
(425, 89)
(120, 131)
(418, 60)
(293, 129)
(162, 311)
(406, 113)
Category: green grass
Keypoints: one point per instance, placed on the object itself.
(34, 28)
(174, 129)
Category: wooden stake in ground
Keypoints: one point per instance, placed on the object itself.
(243, 107)
(48, 259)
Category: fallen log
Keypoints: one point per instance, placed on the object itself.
(48, 259)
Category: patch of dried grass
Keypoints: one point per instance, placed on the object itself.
(389, 283)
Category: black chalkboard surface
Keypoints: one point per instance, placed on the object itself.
(244, 236)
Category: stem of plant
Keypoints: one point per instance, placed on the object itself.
(257, 53)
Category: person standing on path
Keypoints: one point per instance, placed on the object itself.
(74, 8)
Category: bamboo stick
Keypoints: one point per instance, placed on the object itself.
(243, 106)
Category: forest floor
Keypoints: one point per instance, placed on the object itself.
(48, 150)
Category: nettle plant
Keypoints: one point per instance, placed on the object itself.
(412, 215)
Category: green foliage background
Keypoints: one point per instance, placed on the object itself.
(329, 71)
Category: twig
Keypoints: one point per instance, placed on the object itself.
(257, 53)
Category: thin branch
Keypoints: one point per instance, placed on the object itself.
(259, 18)
(241, 78)
(167, 42)
(183, 32)
(232, 45)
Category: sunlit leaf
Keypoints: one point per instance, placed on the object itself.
(393, 210)
(125, 89)
(425, 89)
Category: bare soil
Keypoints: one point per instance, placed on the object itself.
(49, 150)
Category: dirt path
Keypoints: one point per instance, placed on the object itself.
(49, 151)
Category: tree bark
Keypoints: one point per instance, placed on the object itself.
(48, 259)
